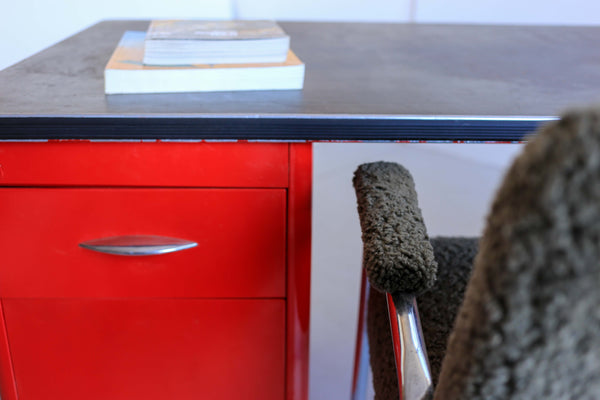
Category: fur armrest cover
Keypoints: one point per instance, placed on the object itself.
(398, 256)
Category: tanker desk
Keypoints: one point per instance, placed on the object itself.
(222, 183)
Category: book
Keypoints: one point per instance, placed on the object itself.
(126, 73)
(176, 42)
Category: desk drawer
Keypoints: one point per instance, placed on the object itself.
(241, 236)
(154, 164)
(147, 349)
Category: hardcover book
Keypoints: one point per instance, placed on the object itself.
(126, 73)
(173, 42)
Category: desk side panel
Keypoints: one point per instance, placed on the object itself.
(299, 258)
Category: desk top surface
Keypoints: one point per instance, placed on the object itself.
(364, 81)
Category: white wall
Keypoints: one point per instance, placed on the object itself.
(325, 10)
(31, 25)
(455, 182)
(557, 12)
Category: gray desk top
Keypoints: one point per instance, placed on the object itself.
(363, 82)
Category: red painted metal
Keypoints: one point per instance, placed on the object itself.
(8, 386)
(147, 349)
(299, 256)
(157, 164)
(223, 320)
(240, 233)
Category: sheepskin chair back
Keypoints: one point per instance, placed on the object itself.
(529, 326)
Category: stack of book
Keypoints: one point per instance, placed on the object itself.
(199, 56)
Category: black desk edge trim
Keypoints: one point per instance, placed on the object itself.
(267, 128)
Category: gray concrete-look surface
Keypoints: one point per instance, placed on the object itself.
(364, 81)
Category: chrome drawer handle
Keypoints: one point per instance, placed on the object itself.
(137, 245)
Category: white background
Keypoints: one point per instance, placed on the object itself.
(454, 182)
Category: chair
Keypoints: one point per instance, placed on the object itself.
(376, 184)
(529, 324)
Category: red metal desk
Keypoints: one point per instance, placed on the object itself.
(228, 318)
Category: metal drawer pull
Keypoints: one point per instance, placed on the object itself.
(137, 245)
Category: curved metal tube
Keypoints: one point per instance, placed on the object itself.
(412, 364)
(137, 245)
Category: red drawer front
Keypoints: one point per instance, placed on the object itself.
(240, 234)
(164, 164)
(147, 349)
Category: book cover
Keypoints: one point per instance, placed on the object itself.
(213, 30)
(173, 42)
(126, 73)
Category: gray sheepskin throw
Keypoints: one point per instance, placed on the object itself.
(529, 327)
(397, 254)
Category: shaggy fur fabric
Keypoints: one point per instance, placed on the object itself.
(397, 253)
(437, 307)
(529, 327)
